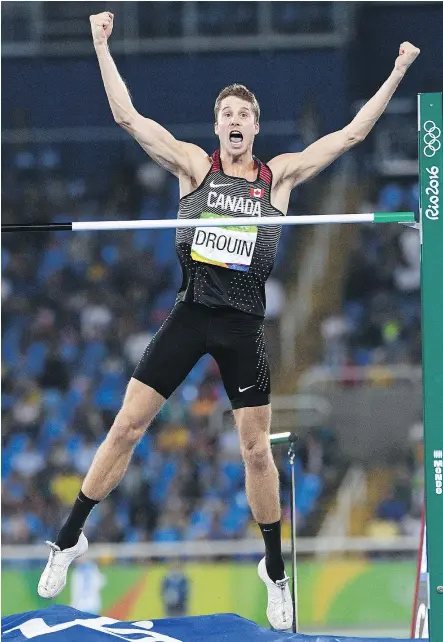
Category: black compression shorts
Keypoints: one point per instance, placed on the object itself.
(234, 338)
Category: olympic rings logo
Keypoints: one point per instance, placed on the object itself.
(431, 138)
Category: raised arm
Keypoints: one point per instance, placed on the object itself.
(176, 156)
(300, 167)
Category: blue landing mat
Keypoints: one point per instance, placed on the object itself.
(64, 624)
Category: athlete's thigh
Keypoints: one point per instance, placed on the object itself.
(242, 358)
(253, 425)
(173, 351)
(140, 404)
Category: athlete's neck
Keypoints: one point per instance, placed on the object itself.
(242, 166)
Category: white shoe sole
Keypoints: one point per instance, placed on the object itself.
(63, 559)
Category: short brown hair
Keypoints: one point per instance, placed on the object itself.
(240, 91)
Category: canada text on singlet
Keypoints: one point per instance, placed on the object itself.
(228, 266)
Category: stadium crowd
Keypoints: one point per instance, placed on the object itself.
(380, 318)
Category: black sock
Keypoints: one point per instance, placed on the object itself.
(274, 559)
(71, 529)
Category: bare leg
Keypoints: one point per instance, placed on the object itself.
(140, 406)
(262, 484)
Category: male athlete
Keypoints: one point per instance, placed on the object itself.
(221, 303)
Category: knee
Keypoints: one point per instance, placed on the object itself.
(127, 431)
(256, 455)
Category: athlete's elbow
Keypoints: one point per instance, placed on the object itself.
(357, 138)
(124, 119)
(118, 118)
(352, 138)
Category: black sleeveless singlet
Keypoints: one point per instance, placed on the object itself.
(247, 252)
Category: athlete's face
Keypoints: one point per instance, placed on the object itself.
(236, 126)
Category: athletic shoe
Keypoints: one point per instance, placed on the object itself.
(53, 579)
(280, 611)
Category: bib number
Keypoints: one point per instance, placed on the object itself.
(230, 247)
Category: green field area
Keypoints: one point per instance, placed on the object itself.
(349, 593)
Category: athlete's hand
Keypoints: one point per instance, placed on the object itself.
(101, 27)
(408, 53)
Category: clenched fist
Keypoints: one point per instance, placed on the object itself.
(101, 27)
(408, 53)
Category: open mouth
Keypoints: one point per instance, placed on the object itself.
(236, 137)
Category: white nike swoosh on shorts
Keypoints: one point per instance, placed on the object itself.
(212, 184)
(243, 389)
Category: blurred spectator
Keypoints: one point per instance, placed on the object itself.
(135, 345)
(382, 529)
(407, 272)
(310, 453)
(169, 529)
(205, 404)
(392, 508)
(275, 299)
(26, 412)
(65, 486)
(95, 317)
(83, 456)
(28, 462)
(335, 331)
(87, 582)
(55, 372)
(175, 591)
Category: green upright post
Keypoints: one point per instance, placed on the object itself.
(431, 218)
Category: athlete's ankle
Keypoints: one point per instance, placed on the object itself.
(275, 567)
(71, 529)
(274, 560)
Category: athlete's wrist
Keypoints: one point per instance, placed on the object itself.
(398, 73)
(101, 46)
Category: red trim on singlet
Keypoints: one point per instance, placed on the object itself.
(265, 173)
(215, 161)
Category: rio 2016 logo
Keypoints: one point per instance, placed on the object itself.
(431, 145)
(431, 138)
(432, 192)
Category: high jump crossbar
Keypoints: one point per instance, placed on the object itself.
(249, 221)
(430, 155)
